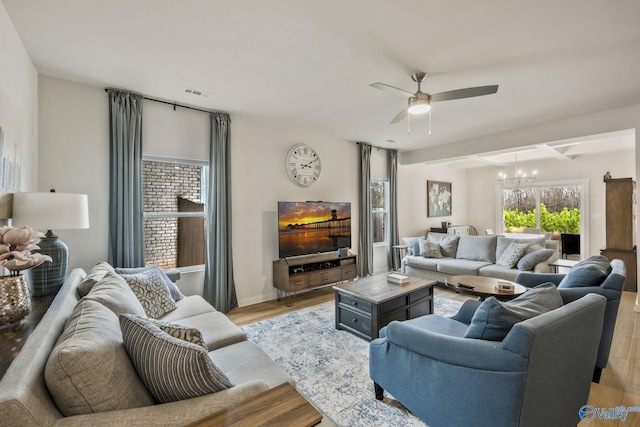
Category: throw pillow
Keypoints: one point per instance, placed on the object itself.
(494, 319)
(512, 255)
(114, 293)
(95, 275)
(150, 289)
(429, 249)
(448, 243)
(170, 368)
(181, 332)
(530, 260)
(89, 369)
(589, 272)
(171, 286)
(413, 245)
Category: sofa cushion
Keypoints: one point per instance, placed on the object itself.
(589, 272)
(422, 262)
(448, 243)
(512, 255)
(171, 287)
(477, 248)
(150, 289)
(95, 275)
(216, 329)
(89, 369)
(530, 260)
(429, 249)
(114, 293)
(494, 319)
(498, 272)
(461, 266)
(171, 369)
(413, 246)
(192, 305)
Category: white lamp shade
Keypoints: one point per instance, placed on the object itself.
(50, 211)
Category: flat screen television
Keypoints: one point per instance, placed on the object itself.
(313, 227)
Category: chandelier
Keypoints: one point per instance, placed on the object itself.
(519, 181)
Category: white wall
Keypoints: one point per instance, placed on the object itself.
(481, 182)
(19, 84)
(412, 197)
(75, 139)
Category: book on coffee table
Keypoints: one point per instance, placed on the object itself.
(397, 278)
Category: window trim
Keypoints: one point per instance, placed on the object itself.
(385, 210)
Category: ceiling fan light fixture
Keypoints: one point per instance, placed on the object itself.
(419, 106)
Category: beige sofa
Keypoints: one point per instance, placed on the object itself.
(118, 400)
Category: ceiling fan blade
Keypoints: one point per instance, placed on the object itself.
(401, 115)
(464, 93)
(392, 89)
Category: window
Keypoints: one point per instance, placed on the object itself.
(379, 194)
(174, 211)
(551, 208)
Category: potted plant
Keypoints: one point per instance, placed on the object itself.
(16, 245)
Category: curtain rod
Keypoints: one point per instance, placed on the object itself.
(376, 147)
(175, 105)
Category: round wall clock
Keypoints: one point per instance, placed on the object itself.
(303, 165)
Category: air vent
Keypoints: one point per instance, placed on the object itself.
(196, 92)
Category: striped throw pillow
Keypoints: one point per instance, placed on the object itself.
(170, 368)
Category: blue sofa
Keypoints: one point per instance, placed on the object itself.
(538, 375)
(610, 288)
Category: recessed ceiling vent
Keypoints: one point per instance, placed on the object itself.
(196, 92)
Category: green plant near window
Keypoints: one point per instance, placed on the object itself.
(565, 221)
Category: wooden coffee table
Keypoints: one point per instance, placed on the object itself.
(368, 304)
(483, 287)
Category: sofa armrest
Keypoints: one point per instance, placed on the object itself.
(534, 279)
(467, 352)
(466, 312)
(178, 413)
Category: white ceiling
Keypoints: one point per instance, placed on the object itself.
(308, 64)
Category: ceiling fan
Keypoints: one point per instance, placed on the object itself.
(420, 102)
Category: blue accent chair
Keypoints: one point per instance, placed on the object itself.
(539, 375)
(611, 289)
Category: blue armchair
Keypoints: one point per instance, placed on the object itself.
(610, 288)
(539, 375)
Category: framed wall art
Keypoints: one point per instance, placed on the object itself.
(438, 198)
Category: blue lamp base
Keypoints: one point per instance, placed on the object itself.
(48, 277)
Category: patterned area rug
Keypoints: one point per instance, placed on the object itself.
(331, 367)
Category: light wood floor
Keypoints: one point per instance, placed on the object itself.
(620, 382)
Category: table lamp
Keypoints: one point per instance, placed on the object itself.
(48, 211)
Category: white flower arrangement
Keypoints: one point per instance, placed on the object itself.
(16, 245)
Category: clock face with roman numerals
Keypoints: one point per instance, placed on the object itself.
(303, 165)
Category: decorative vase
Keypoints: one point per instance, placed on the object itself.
(15, 300)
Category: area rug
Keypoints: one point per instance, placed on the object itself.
(331, 367)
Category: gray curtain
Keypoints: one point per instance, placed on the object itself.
(126, 227)
(365, 240)
(219, 287)
(392, 173)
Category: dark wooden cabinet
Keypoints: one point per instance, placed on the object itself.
(620, 226)
(293, 275)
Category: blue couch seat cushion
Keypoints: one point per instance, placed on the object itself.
(589, 272)
(424, 263)
(461, 266)
(494, 319)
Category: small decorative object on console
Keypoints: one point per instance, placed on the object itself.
(397, 278)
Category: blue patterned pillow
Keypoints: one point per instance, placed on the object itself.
(170, 368)
(512, 254)
(173, 289)
(150, 289)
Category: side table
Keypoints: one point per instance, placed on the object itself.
(13, 339)
(399, 251)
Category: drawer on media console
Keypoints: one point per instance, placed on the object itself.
(297, 282)
(324, 277)
(349, 272)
